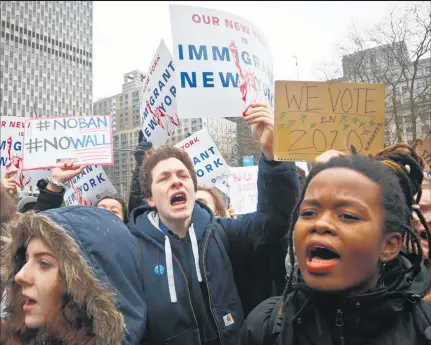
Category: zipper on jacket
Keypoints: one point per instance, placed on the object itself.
(207, 240)
(340, 323)
(188, 293)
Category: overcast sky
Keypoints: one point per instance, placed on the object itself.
(126, 34)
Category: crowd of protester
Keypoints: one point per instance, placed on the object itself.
(338, 257)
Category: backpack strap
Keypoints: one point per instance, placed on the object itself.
(223, 235)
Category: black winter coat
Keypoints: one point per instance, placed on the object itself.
(389, 315)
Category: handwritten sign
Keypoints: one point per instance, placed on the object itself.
(313, 117)
(210, 166)
(85, 140)
(12, 133)
(221, 59)
(91, 185)
(424, 149)
(243, 189)
(159, 103)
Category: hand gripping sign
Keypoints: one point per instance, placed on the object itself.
(12, 133)
(210, 166)
(158, 101)
(220, 59)
(91, 185)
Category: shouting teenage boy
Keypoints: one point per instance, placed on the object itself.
(198, 272)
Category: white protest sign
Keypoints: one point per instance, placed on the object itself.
(159, 103)
(88, 187)
(223, 63)
(210, 166)
(243, 187)
(12, 133)
(50, 141)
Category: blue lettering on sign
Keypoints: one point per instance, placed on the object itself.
(100, 179)
(92, 123)
(202, 160)
(89, 141)
(82, 122)
(152, 124)
(200, 52)
(3, 161)
(16, 146)
(227, 79)
(224, 55)
(166, 101)
(87, 185)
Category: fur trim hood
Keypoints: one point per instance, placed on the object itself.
(98, 262)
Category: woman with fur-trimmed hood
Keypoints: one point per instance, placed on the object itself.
(71, 277)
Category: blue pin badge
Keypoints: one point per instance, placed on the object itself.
(159, 270)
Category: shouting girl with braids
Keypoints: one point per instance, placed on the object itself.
(350, 284)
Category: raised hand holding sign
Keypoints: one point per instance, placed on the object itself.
(261, 121)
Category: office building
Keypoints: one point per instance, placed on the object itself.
(126, 124)
(46, 58)
(408, 88)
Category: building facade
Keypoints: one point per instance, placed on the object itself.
(126, 124)
(245, 145)
(408, 88)
(46, 58)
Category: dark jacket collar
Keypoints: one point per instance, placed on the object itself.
(140, 224)
(365, 316)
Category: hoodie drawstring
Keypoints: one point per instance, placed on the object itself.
(169, 262)
(170, 270)
(195, 251)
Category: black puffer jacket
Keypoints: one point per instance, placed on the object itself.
(389, 315)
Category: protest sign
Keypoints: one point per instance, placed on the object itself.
(91, 185)
(159, 103)
(313, 117)
(243, 187)
(210, 166)
(424, 149)
(51, 141)
(223, 63)
(12, 133)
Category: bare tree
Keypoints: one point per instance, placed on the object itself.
(394, 52)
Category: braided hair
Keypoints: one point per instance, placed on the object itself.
(408, 166)
(398, 215)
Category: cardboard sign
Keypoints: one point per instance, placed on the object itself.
(159, 102)
(223, 63)
(210, 166)
(424, 149)
(12, 134)
(51, 141)
(88, 187)
(314, 117)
